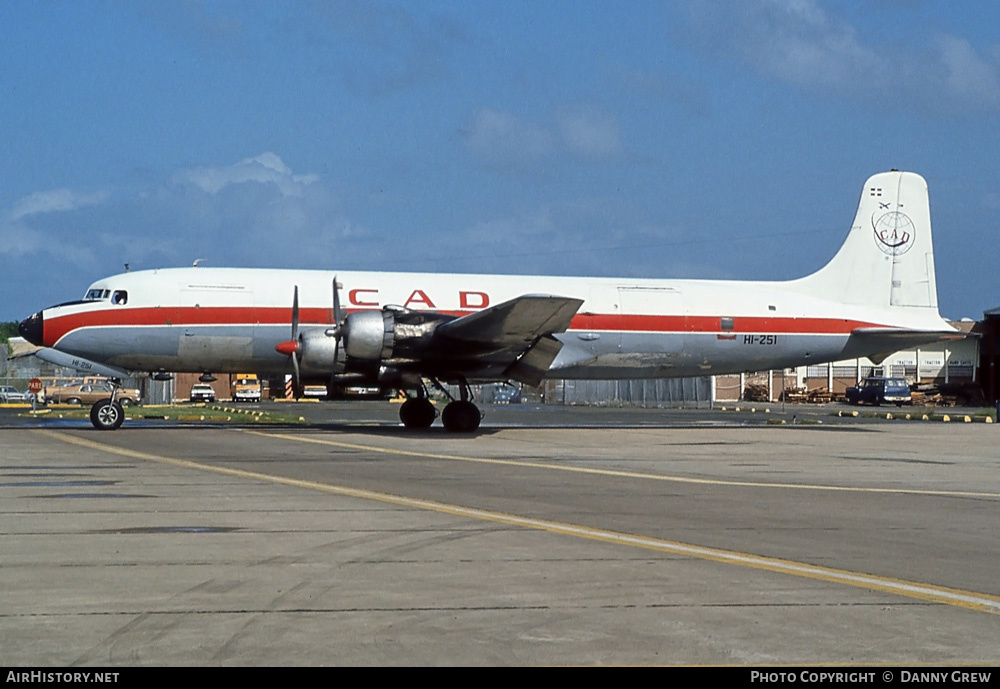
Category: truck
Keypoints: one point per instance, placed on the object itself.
(246, 388)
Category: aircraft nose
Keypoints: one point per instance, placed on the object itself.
(31, 329)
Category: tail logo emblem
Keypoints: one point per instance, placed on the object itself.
(894, 233)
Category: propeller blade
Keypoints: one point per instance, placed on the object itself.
(338, 313)
(297, 385)
(292, 346)
(338, 322)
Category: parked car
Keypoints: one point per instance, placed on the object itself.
(315, 391)
(8, 393)
(88, 393)
(202, 392)
(877, 390)
(504, 393)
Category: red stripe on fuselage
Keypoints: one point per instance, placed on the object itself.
(57, 327)
(712, 324)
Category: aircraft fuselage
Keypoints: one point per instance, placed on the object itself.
(230, 320)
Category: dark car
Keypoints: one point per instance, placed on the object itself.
(877, 390)
(504, 393)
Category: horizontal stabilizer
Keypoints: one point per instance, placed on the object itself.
(879, 343)
(518, 321)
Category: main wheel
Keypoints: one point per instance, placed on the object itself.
(417, 413)
(107, 415)
(461, 417)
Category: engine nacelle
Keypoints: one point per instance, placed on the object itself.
(317, 350)
(370, 335)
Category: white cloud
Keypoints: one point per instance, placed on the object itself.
(967, 74)
(590, 134)
(499, 138)
(55, 200)
(266, 168)
(801, 43)
(255, 212)
(495, 136)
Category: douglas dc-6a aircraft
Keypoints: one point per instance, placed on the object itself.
(877, 296)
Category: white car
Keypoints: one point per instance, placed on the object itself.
(314, 391)
(202, 392)
(8, 393)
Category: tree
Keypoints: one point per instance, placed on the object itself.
(8, 329)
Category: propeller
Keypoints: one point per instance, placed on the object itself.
(294, 346)
(291, 346)
(337, 331)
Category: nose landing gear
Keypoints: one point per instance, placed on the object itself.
(108, 414)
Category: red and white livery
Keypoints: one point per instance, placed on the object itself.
(876, 296)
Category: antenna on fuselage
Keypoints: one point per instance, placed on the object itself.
(197, 261)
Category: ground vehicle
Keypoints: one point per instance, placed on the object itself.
(506, 394)
(202, 392)
(877, 390)
(8, 393)
(317, 391)
(89, 393)
(246, 388)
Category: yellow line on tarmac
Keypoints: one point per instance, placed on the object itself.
(926, 592)
(618, 473)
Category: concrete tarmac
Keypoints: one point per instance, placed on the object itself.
(628, 537)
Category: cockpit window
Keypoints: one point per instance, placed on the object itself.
(96, 294)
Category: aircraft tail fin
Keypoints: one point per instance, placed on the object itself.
(887, 260)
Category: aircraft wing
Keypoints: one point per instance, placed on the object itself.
(516, 334)
(520, 320)
(887, 341)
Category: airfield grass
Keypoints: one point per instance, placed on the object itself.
(176, 412)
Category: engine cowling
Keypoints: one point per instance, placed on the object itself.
(369, 335)
(365, 337)
(318, 351)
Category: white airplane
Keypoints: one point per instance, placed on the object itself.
(876, 296)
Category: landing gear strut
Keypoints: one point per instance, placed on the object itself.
(459, 416)
(107, 414)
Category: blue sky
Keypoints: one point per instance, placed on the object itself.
(654, 139)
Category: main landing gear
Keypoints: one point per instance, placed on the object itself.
(417, 412)
(459, 416)
(107, 414)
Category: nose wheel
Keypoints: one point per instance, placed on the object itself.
(107, 414)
